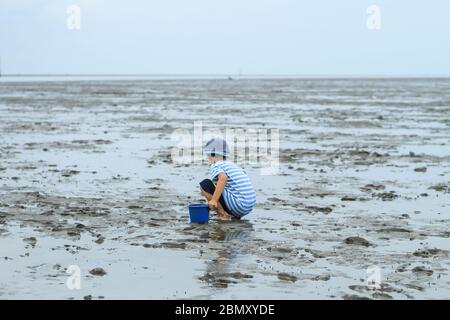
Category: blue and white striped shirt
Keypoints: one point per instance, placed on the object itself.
(239, 195)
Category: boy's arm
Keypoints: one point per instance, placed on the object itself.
(221, 182)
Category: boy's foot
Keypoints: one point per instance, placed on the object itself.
(224, 217)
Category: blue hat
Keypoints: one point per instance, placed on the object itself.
(217, 146)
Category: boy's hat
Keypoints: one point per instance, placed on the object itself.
(217, 146)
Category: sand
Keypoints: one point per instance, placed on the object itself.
(86, 179)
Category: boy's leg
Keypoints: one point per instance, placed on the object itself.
(207, 189)
(220, 210)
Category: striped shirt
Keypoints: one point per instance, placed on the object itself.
(239, 195)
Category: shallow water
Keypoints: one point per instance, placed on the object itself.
(85, 169)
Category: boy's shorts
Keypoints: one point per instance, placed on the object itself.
(209, 186)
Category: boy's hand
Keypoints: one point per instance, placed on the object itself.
(212, 204)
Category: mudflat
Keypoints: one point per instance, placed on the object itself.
(86, 180)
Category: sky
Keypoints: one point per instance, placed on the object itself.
(286, 37)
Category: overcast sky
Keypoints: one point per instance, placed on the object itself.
(314, 37)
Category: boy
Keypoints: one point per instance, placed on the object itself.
(229, 191)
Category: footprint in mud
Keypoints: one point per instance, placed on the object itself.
(386, 196)
(167, 245)
(369, 187)
(221, 280)
(349, 198)
(381, 296)
(287, 277)
(428, 253)
(100, 239)
(321, 278)
(98, 272)
(414, 286)
(381, 291)
(394, 230)
(316, 253)
(420, 270)
(324, 210)
(441, 187)
(357, 241)
(31, 241)
(134, 206)
(69, 173)
(354, 297)
(120, 178)
(280, 249)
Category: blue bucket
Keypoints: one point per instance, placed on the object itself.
(199, 212)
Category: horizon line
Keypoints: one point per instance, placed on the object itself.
(225, 75)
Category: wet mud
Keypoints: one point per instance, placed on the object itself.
(87, 179)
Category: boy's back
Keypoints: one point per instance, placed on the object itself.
(239, 192)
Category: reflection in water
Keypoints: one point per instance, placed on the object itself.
(236, 230)
(222, 267)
